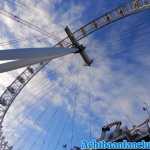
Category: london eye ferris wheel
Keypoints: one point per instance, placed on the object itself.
(55, 101)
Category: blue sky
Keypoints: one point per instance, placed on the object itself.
(115, 87)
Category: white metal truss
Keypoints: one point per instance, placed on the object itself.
(29, 56)
(11, 92)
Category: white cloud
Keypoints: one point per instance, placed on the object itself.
(113, 93)
(40, 83)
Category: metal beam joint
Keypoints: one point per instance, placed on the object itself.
(80, 47)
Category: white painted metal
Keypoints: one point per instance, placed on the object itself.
(29, 56)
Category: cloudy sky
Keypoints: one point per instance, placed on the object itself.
(67, 101)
